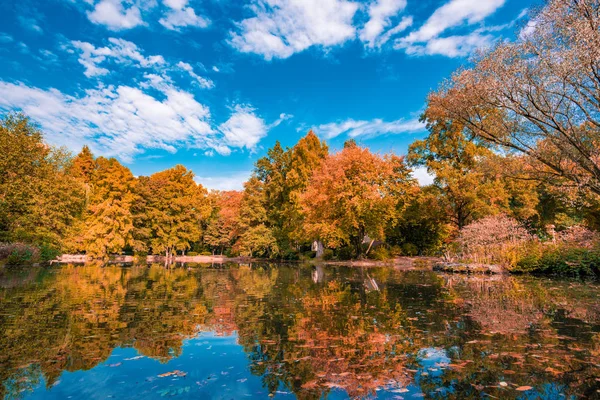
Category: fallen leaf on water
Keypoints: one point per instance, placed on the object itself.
(523, 388)
(173, 373)
(503, 384)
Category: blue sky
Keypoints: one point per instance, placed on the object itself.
(212, 84)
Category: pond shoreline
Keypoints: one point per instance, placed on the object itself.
(398, 262)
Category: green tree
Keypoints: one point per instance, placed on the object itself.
(176, 209)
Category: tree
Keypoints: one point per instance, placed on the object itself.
(469, 183)
(285, 175)
(24, 156)
(538, 95)
(39, 200)
(83, 168)
(354, 194)
(176, 208)
(108, 225)
(256, 238)
(223, 228)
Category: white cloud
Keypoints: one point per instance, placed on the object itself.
(234, 181)
(122, 121)
(115, 15)
(118, 121)
(184, 17)
(119, 50)
(124, 52)
(281, 28)
(453, 14)
(243, 128)
(203, 82)
(421, 175)
(380, 12)
(453, 46)
(404, 24)
(370, 128)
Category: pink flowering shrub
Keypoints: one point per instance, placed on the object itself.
(494, 239)
(578, 236)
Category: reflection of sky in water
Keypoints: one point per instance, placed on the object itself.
(216, 367)
(276, 329)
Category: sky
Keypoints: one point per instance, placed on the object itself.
(213, 84)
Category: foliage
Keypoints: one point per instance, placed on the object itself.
(538, 95)
(175, 210)
(494, 239)
(355, 193)
(380, 253)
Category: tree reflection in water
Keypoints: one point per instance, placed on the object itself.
(312, 330)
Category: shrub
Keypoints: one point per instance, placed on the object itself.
(380, 253)
(579, 236)
(327, 254)
(206, 253)
(561, 260)
(290, 255)
(192, 253)
(409, 249)
(396, 251)
(345, 253)
(19, 253)
(48, 252)
(494, 239)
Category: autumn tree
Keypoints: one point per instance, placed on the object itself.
(257, 238)
(38, 198)
(223, 228)
(285, 175)
(538, 95)
(175, 210)
(354, 194)
(107, 226)
(469, 183)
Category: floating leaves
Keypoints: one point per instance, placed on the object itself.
(177, 373)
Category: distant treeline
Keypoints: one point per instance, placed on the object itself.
(516, 136)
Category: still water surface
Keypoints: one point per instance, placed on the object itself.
(264, 331)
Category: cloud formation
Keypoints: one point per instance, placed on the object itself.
(180, 16)
(123, 121)
(375, 127)
(380, 13)
(116, 15)
(427, 39)
(118, 50)
(281, 28)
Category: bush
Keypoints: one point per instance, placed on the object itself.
(192, 253)
(495, 239)
(19, 253)
(409, 249)
(206, 253)
(307, 255)
(327, 254)
(561, 261)
(396, 251)
(345, 253)
(48, 252)
(290, 255)
(380, 253)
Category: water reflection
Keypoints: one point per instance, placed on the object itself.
(241, 330)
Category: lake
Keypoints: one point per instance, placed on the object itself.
(275, 331)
